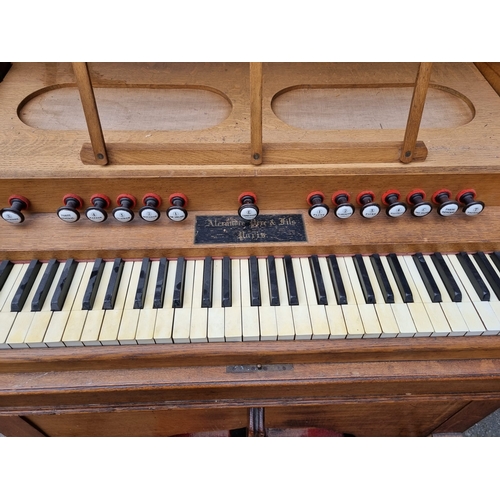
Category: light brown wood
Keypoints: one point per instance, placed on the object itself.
(91, 114)
(491, 71)
(416, 110)
(256, 112)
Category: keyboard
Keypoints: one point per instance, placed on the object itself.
(90, 303)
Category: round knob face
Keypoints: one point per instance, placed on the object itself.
(448, 208)
(12, 216)
(96, 215)
(176, 214)
(149, 214)
(248, 212)
(474, 209)
(422, 209)
(68, 215)
(370, 210)
(123, 214)
(344, 211)
(319, 211)
(396, 210)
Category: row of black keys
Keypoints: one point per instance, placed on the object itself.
(59, 296)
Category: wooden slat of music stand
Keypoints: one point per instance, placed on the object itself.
(91, 114)
(416, 110)
(256, 112)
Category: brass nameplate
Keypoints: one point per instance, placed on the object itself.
(225, 229)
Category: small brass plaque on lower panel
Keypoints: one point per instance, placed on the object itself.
(258, 368)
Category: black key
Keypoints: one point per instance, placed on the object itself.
(293, 298)
(427, 278)
(5, 269)
(254, 282)
(383, 280)
(61, 291)
(399, 276)
(474, 277)
(208, 276)
(93, 285)
(338, 284)
(447, 278)
(113, 284)
(44, 285)
(142, 284)
(495, 257)
(227, 295)
(319, 284)
(180, 272)
(24, 288)
(274, 296)
(489, 272)
(161, 280)
(364, 280)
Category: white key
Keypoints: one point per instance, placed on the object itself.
(147, 315)
(367, 312)
(129, 317)
(334, 312)
(267, 314)
(301, 319)
(108, 334)
(284, 315)
(24, 317)
(7, 293)
(317, 312)
(249, 314)
(59, 319)
(232, 315)
(442, 326)
(94, 317)
(182, 317)
(36, 333)
(165, 315)
(199, 315)
(486, 313)
(401, 311)
(76, 320)
(352, 316)
(384, 311)
(216, 312)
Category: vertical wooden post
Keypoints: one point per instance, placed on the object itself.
(256, 112)
(91, 114)
(416, 110)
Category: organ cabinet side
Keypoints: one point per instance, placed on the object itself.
(235, 180)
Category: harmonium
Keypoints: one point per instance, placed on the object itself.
(198, 247)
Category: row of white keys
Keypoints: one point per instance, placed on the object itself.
(369, 318)
(249, 314)
(199, 315)
(58, 321)
(441, 324)
(388, 323)
(463, 309)
(23, 319)
(216, 312)
(232, 315)
(334, 313)
(354, 323)
(317, 312)
(147, 315)
(300, 313)
(488, 317)
(128, 321)
(7, 293)
(182, 315)
(76, 318)
(165, 315)
(267, 313)
(94, 317)
(284, 315)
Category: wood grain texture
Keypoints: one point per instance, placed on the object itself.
(13, 426)
(256, 112)
(491, 71)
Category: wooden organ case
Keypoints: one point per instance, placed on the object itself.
(283, 134)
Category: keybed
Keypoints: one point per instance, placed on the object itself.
(273, 298)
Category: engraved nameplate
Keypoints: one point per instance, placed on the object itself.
(225, 229)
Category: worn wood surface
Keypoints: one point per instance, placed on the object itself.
(491, 71)
(256, 112)
(12, 426)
